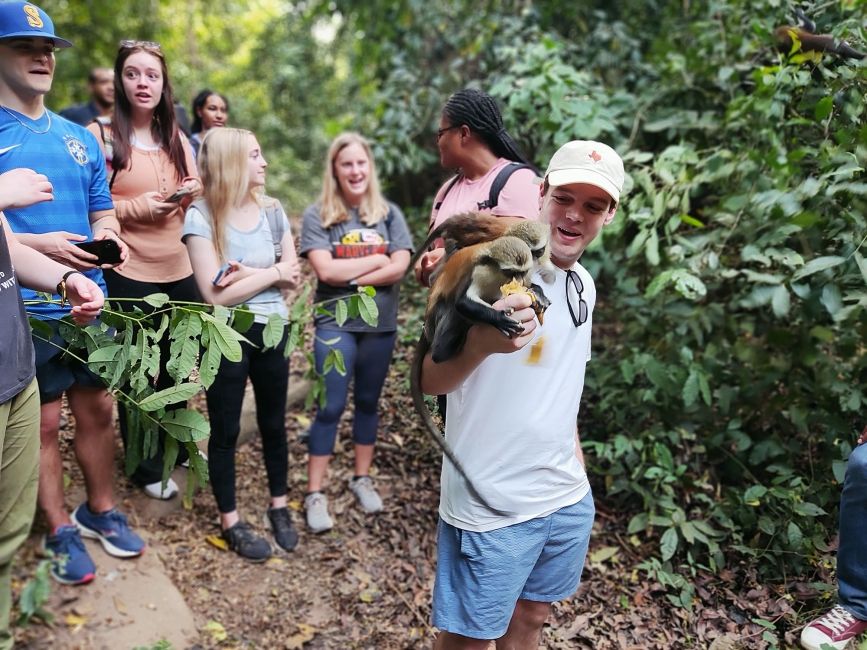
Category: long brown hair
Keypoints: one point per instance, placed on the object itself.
(332, 204)
(164, 125)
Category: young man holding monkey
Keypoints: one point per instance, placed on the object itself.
(32, 137)
(511, 419)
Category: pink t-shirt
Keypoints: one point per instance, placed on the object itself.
(518, 198)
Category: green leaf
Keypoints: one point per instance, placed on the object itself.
(184, 349)
(186, 425)
(862, 265)
(651, 248)
(637, 524)
(156, 300)
(692, 221)
(781, 301)
(754, 494)
(210, 361)
(818, 264)
(793, 532)
(273, 332)
(171, 395)
(668, 544)
(807, 509)
(368, 310)
(225, 338)
(831, 299)
(690, 389)
(341, 312)
(823, 108)
(242, 319)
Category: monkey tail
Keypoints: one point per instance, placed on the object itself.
(421, 349)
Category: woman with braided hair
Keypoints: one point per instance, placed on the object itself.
(492, 174)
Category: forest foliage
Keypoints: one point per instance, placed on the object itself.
(728, 379)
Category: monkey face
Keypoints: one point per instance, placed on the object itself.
(575, 214)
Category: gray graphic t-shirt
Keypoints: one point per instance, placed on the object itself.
(350, 239)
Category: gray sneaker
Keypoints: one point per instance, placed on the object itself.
(316, 507)
(368, 497)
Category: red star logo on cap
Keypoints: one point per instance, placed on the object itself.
(595, 156)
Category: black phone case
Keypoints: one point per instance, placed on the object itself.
(106, 250)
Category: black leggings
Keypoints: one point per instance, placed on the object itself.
(268, 371)
(150, 470)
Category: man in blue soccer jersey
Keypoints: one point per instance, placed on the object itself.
(33, 137)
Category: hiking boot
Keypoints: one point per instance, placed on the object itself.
(70, 561)
(832, 630)
(246, 543)
(368, 497)
(281, 525)
(157, 491)
(111, 529)
(316, 507)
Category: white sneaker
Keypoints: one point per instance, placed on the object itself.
(157, 491)
(316, 507)
(368, 497)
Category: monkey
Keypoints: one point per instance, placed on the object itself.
(814, 42)
(470, 228)
(463, 294)
(804, 32)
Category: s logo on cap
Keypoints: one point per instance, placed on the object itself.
(33, 18)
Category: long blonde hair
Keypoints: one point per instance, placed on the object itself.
(333, 208)
(225, 176)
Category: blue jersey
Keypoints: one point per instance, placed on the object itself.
(70, 157)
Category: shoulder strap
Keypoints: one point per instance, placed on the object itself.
(499, 183)
(448, 189)
(103, 122)
(275, 225)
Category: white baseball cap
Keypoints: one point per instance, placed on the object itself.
(586, 161)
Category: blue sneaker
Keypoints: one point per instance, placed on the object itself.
(70, 563)
(111, 529)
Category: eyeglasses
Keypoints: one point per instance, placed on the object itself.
(583, 310)
(440, 132)
(149, 45)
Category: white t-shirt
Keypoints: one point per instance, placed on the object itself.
(512, 423)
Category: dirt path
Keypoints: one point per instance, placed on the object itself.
(367, 583)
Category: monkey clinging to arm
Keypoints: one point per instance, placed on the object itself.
(466, 287)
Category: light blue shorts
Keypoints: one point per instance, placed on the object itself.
(481, 576)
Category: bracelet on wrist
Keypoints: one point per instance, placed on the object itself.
(61, 286)
(279, 273)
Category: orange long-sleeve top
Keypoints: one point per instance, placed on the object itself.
(156, 252)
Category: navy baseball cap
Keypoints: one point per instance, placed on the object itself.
(26, 20)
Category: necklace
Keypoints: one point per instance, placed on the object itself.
(26, 125)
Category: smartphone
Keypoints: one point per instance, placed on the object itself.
(223, 270)
(177, 196)
(106, 250)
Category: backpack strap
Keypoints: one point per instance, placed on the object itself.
(448, 189)
(273, 215)
(103, 122)
(499, 183)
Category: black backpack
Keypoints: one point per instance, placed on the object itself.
(496, 187)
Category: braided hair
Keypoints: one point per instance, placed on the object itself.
(480, 113)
